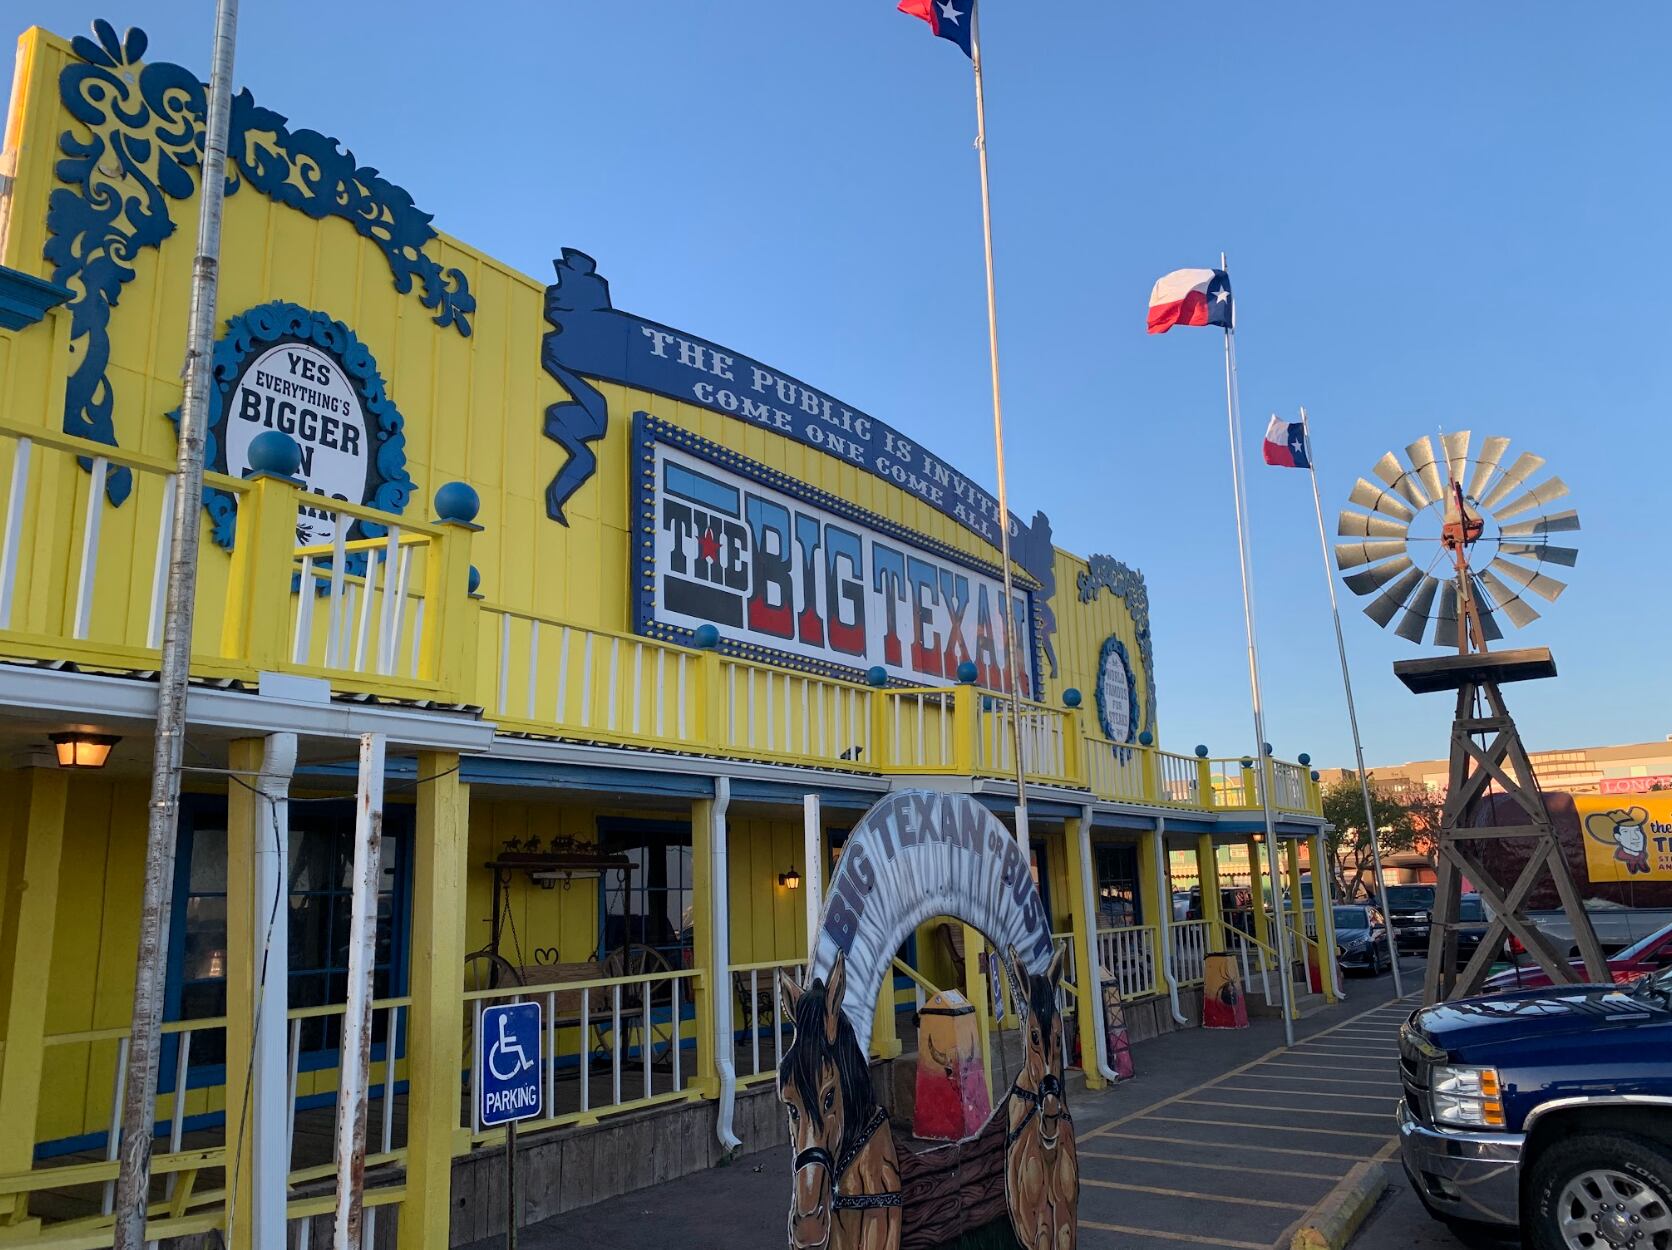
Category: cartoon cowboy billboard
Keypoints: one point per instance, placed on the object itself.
(1623, 829)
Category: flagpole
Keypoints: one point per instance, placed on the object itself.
(1285, 977)
(1352, 715)
(1010, 641)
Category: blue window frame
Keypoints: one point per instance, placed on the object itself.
(316, 915)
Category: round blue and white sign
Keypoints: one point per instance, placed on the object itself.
(1117, 694)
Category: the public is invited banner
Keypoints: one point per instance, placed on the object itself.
(1627, 837)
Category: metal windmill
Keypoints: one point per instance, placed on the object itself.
(1440, 578)
(1478, 501)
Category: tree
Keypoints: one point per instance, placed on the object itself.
(1408, 822)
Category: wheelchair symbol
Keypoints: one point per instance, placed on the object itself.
(510, 1048)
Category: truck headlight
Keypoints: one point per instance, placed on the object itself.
(1466, 1097)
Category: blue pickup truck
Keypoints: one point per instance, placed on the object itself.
(1550, 1109)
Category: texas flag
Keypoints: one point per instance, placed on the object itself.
(1286, 444)
(950, 19)
(1190, 297)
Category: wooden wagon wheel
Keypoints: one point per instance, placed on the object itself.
(637, 1003)
(484, 969)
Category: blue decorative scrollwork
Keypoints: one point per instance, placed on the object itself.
(1126, 584)
(253, 331)
(145, 133)
(584, 418)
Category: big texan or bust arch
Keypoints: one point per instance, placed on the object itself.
(855, 1184)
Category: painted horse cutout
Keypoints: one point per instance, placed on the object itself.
(1042, 1168)
(846, 1173)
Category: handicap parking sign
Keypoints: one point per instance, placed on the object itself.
(508, 1064)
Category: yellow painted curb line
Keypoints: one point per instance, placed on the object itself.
(1330, 1224)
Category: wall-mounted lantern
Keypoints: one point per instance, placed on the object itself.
(790, 880)
(83, 750)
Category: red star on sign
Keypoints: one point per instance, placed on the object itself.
(708, 547)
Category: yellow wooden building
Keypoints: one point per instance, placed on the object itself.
(642, 623)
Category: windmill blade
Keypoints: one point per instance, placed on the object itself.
(1511, 604)
(1542, 494)
(1367, 495)
(1351, 555)
(1364, 525)
(1491, 455)
(1489, 626)
(1541, 584)
(1457, 454)
(1366, 580)
(1445, 620)
(1395, 474)
(1555, 523)
(1421, 453)
(1547, 552)
(1414, 624)
(1526, 464)
(1384, 605)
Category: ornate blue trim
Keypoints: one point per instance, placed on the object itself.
(1114, 646)
(1126, 584)
(388, 485)
(145, 135)
(649, 430)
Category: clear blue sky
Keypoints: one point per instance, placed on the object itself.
(1437, 214)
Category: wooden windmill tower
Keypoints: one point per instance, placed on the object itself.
(1487, 757)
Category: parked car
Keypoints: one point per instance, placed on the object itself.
(1616, 927)
(1361, 943)
(1650, 955)
(1410, 909)
(1547, 1109)
(1472, 925)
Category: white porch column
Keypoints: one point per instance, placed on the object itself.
(270, 1095)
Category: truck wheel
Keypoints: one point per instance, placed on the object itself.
(1600, 1190)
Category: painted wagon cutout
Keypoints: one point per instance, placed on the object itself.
(857, 1184)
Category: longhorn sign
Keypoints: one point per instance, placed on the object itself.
(1487, 501)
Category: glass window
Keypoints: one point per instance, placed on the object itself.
(1471, 909)
(1353, 918)
(1118, 903)
(316, 916)
(651, 905)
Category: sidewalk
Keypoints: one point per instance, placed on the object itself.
(1287, 1125)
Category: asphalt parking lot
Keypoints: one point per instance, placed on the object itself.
(1238, 1158)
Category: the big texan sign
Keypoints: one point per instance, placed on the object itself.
(782, 569)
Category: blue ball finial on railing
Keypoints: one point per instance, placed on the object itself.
(1071, 697)
(1314, 774)
(474, 581)
(1248, 761)
(1201, 751)
(457, 502)
(967, 673)
(876, 675)
(1146, 739)
(1303, 759)
(1266, 746)
(705, 637)
(276, 453)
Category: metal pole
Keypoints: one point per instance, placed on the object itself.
(1352, 715)
(1010, 639)
(133, 1182)
(511, 1180)
(356, 1047)
(1233, 419)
